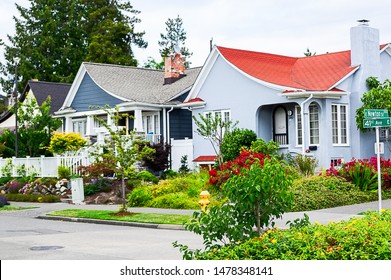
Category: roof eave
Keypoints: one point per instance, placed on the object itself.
(316, 94)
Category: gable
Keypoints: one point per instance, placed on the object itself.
(89, 94)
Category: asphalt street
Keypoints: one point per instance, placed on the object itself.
(25, 237)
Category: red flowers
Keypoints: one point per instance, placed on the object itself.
(245, 159)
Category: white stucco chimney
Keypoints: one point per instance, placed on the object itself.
(365, 48)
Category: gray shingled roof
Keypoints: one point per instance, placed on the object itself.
(57, 91)
(139, 84)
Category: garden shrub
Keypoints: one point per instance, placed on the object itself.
(147, 176)
(64, 172)
(218, 176)
(14, 186)
(304, 164)
(66, 142)
(256, 195)
(181, 192)
(33, 198)
(363, 173)
(4, 180)
(140, 197)
(97, 185)
(366, 238)
(235, 140)
(319, 192)
(169, 174)
(3, 201)
(267, 148)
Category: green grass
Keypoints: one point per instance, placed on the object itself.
(152, 218)
(12, 208)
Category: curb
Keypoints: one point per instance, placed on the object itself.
(113, 223)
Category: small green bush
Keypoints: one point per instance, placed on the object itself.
(4, 180)
(33, 198)
(174, 201)
(235, 140)
(140, 197)
(147, 176)
(64, 172)
(365, 238)
(169, 174)
(267, 148)
(319, 192)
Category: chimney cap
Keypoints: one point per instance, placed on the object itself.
(363, 21)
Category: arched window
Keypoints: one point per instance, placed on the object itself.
(280, 126)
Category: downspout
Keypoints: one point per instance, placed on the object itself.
(303, 122)
(168, 132)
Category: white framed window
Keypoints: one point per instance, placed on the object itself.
(314, 123)
(339, 124)
(224, 115)
(79, 126)
(313, 111)
(299, 127)
(151, 123)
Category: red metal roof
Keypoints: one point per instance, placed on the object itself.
(205, 159)
(194, 100)
(317, 73)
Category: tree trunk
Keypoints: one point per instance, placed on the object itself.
(124, 208)
(258, 217)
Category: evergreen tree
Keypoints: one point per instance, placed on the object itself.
(111, 32)
(174, 39)
(53, 37)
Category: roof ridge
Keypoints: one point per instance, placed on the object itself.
(46, 82)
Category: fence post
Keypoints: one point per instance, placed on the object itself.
(13, 167)
(42, 165)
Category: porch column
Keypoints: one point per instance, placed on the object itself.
(90, 126)
(138, 120)
(68, 124)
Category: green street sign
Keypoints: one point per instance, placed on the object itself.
(368, 123)
(375, 113)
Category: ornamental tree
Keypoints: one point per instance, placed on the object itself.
(378, 97)
(256, 195)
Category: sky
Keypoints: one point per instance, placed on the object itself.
(285, 27)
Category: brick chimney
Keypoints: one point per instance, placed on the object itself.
(174, 68)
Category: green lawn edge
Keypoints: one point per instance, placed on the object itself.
(152, 218)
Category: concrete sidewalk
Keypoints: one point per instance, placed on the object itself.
(323, 216)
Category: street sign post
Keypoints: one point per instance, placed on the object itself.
(375, 113)
(377, 118)
(369, 123)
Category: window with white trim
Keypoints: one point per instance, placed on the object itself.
(224, 115)
(299, 128)
(314, 123)
(339, 123)
(79, 126)
(151, 123)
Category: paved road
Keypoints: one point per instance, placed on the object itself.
(23, 236)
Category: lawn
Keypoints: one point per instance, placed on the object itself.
(12, 208)
(152, 218)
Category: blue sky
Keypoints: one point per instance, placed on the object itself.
(283, 27)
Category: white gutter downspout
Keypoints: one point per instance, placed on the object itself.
(303, 122)
(164, 124)
(168, 132)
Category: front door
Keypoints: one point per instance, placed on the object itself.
(280, 126)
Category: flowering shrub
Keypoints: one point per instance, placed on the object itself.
(14, 186)
(246, 158)
(357, 239)
(363, 172)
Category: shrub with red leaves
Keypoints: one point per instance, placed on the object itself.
(217, 177)
(363, 172)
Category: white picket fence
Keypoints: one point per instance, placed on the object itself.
(41, 166)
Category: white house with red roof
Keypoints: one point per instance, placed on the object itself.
(306, 104)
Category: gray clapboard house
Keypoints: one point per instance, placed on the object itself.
(153, 99)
